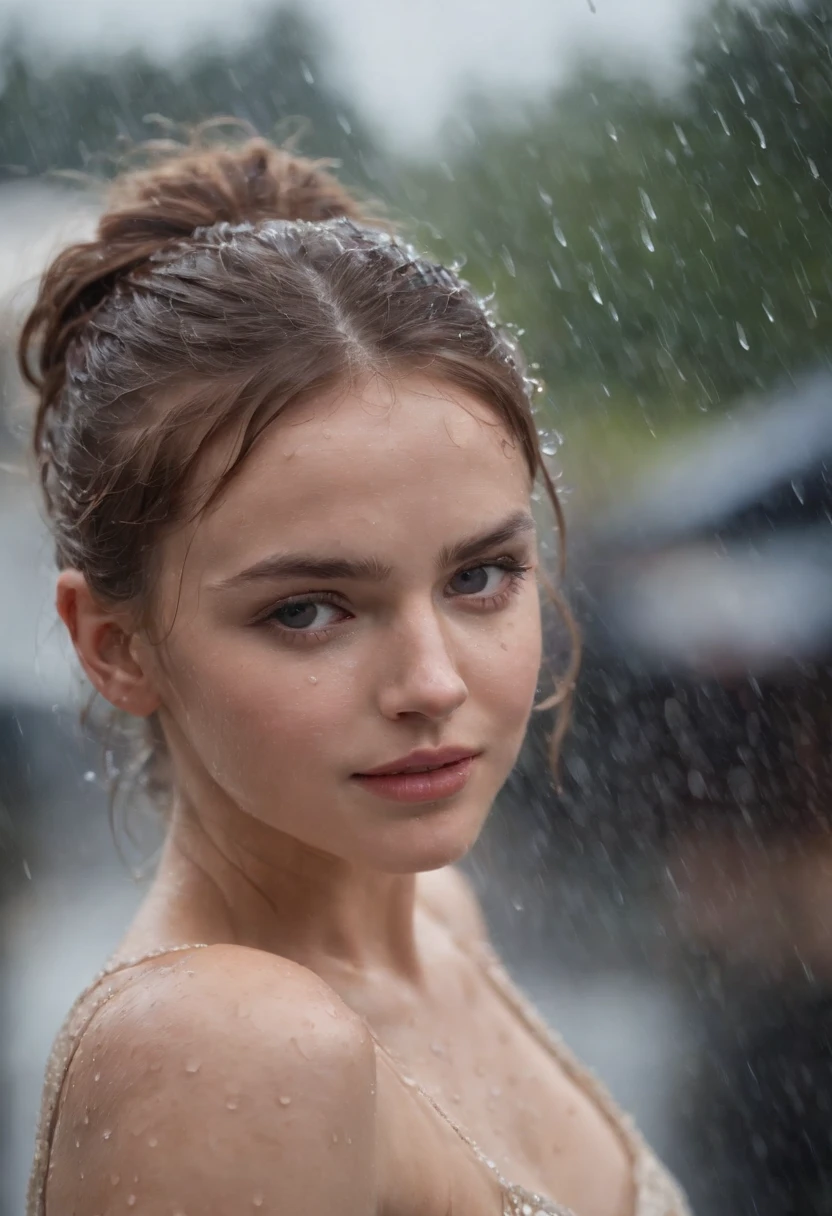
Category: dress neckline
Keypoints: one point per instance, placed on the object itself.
(653, 1189)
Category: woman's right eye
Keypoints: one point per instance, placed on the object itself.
(297, 616)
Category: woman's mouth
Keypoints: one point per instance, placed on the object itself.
(425, 786)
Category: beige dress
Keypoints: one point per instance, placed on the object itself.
(656, 1192)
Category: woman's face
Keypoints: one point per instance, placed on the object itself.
(353, 596)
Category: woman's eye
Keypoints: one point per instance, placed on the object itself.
(304, 614)
(482, 580)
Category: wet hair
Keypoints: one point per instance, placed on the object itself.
(227, 280)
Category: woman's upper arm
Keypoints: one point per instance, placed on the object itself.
(213, 1093)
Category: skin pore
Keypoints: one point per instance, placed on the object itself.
(364, 587)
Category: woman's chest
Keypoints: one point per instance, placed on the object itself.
(486, 1071)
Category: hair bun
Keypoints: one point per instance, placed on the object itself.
(180, 188)
(199, 185)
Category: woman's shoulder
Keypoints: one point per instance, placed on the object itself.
(222, 1074)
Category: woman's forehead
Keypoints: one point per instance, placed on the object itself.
(395, 457)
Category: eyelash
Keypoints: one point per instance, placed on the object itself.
(296, 637)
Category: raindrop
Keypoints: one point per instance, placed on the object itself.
(741, 335)
(306, 72)
(545, 198)
(738, 90)
(555, 276)
(595, 293)
(768, 312)
(799, 492)
(646, 238)
(680, 135)
(613, 311)
(27, 871)
(345, 124)
(89, 776)
(611, 131)
(723, 123)
(560, 236)
(813, 168)
(508, 261)
(758, 130)
(647, 204)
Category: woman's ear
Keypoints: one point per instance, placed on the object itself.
(105, 644)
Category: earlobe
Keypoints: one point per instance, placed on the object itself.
(102, 636)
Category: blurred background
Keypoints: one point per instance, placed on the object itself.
(644, 186)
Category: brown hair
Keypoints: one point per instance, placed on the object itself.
(224, 282)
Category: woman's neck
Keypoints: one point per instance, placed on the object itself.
(246, 883)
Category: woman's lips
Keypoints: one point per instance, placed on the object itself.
(420, 787)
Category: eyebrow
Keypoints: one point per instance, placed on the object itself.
(314, 566)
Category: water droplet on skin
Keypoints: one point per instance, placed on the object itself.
(106, 1135)
(257, 1200)
(77, 1142)
(284, 1101)
(115, 1179)
(495, 1091)
(334, 1137)
(232, 1104)
(192, 1066)
(131, 1201)
(152, 1142)
(86, 1120)
(437, 1049)
(313, 679)
(97, 1077)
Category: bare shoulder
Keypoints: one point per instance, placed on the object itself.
(227, 1080)
(450, 896)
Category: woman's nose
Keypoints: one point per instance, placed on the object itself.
(422, 676)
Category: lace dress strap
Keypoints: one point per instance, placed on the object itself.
(75, 1026)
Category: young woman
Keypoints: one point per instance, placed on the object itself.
(288, 465)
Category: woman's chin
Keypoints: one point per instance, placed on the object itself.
(429, 841)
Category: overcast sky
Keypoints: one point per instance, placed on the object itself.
(405, 59)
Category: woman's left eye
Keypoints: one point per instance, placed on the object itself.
(487, 580)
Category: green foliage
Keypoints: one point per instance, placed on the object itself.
(78, 113)
(664, 250)
(660, 253)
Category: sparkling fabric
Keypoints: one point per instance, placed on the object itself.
(656, 1192)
